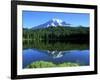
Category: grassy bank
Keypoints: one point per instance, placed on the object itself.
(45, 64)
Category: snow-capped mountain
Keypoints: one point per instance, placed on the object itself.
(53, 22)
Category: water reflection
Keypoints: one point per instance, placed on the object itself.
(56, 54)
(76, 56)
(54, 45)
(54, 51)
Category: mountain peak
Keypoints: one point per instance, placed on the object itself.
(57, 20)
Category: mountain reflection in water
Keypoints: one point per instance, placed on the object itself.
(57, 57)
(56, 52)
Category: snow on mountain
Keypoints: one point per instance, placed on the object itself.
(53, 22)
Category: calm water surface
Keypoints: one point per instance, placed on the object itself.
(77, 56)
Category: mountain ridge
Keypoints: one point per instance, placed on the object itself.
(53, 22)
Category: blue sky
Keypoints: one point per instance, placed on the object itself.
(32, 18)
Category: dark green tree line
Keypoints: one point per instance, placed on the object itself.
(60, 33)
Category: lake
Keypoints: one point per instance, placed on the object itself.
(55, 52)
(76, 56)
